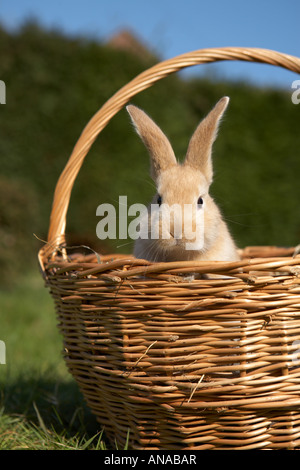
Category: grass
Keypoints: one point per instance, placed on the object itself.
(41, 407)
(18, 434)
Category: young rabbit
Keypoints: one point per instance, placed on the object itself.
(168, 231)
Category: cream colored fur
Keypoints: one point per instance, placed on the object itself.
(181, 184)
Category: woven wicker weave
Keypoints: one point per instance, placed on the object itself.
(179, 363)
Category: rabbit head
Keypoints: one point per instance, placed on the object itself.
(182, 222)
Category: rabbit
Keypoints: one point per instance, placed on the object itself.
(168, 236)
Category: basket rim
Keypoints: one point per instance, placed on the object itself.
(144, 80)
(274, 263)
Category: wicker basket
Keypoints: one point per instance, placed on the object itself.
(179, 364)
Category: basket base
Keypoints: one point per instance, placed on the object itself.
(176, 362)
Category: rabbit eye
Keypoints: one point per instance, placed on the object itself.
(159, 200)
(200, 201)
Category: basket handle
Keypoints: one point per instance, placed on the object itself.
(62, 194)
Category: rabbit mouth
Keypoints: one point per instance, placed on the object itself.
(179, 249)
(175, 239)
(185, 243)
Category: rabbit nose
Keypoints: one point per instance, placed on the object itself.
(175, 227)
(176, 232)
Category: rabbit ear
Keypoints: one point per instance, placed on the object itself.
(199, 151)
(159, 147)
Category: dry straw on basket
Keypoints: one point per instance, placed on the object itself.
(179, 363)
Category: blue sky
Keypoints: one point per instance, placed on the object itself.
(172, 27)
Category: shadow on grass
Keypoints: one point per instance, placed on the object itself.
(50, 404)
